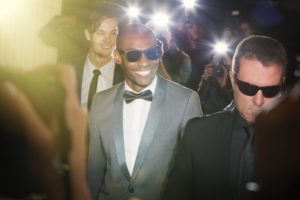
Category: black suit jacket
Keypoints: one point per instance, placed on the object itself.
(79, 66)
(201, 169)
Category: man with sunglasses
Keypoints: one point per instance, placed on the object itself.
(135, 126)
(216, 159)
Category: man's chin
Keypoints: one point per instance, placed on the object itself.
(105, 53)
(252, 118)
(249, 117)
(141, 84)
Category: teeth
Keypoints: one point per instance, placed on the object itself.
(143, 73)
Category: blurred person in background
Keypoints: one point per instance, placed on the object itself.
(192, 36)
(236, 31)
(215, 90)
(176, 62)
(277, 148)
(43, 133)
(65, 33)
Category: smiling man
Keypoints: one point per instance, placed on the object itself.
(98, 71)
(136, 125)
(216, 160)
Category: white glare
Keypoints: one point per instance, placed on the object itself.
(160, 20)
(221, 47)
(189, 3)
(133, 12)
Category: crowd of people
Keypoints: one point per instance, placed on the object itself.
(117, 119)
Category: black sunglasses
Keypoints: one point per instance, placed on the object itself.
(250, 89)
(152, 53)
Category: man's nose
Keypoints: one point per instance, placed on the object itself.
(143, 60)
(259, 98)
(109, 38)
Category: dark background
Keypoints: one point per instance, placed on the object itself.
(276, 18)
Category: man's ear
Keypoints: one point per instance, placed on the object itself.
(87, 34)
(118, 58)
(283, 80)
(231, 74)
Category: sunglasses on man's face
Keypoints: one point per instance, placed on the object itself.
(152, 53)
(251, 90)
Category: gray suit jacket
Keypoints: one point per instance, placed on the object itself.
(108, 176)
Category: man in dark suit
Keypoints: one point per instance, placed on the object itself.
(98, 71)
(215, 160)
(135, 126)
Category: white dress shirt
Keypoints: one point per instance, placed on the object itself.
(134, 119)
(105, 79)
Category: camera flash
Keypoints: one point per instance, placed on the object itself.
(221, 48)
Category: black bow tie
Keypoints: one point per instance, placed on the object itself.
(131, 96)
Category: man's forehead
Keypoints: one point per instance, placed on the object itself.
(111, 23)
(138, 39)
(247, 61)
(253, 69)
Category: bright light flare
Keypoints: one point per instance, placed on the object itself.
(189, 4)
(221, 48)
(11, 10)
(133, 12)
(161, 20)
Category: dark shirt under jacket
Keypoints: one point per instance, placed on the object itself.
(209, 163)
(239, 175)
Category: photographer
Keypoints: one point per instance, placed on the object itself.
(43, 132)
(214, 89)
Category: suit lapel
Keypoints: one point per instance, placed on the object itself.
(118, 131)
(79, 66)
(118, 75)
(151, 125)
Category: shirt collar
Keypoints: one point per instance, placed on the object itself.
(104, 69)
(240, 122)
(151, 86)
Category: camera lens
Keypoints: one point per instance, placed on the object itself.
(218, 71)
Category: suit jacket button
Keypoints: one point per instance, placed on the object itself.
(131, 190)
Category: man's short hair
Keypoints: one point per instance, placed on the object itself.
(265, 49)
(101, 11)
(132, 29)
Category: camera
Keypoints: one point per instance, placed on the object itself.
(218, 70)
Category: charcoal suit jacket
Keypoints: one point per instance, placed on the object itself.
(202, 166)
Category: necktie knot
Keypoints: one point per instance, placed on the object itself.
(96, 72)
(131, 96)
(250, 133)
